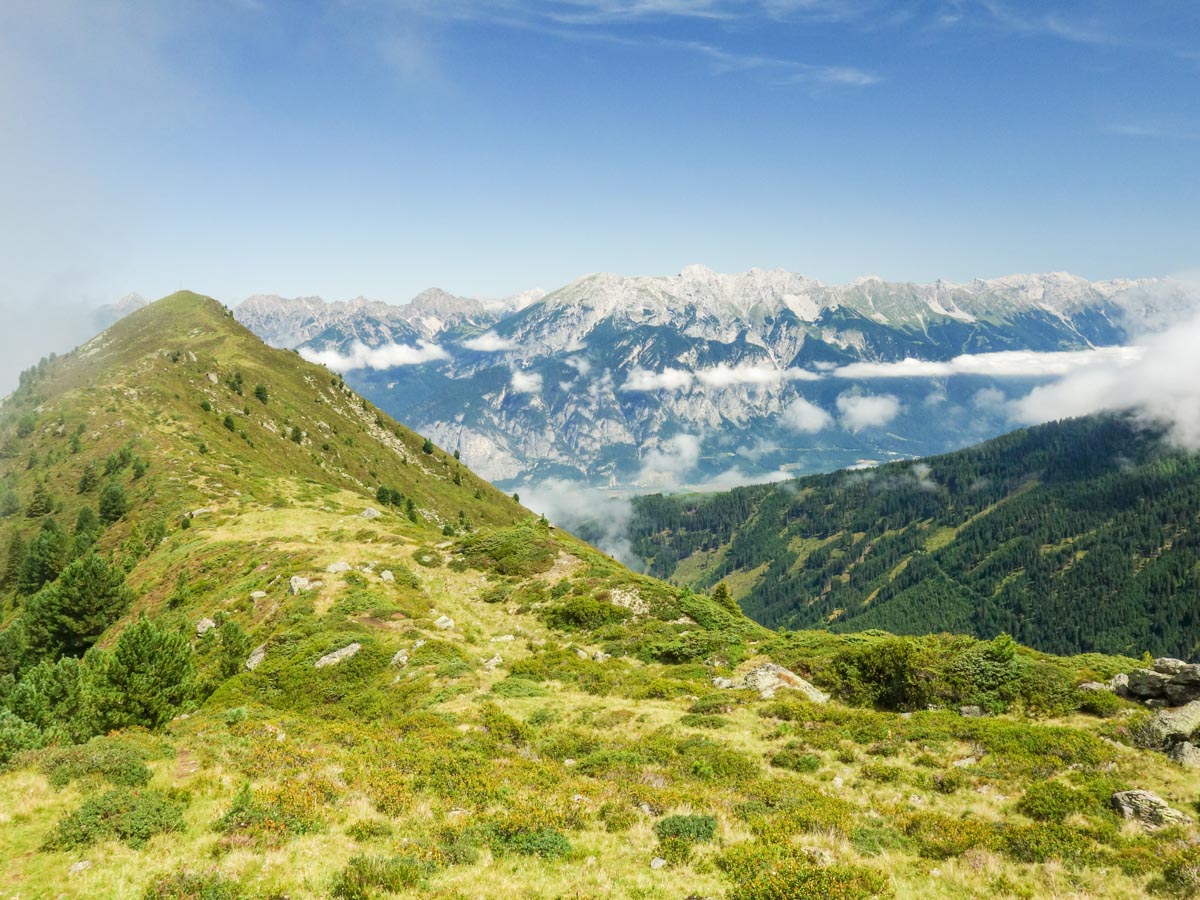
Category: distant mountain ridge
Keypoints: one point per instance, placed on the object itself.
(702, 378)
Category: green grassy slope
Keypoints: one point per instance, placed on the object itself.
(1074, 536)
(488, 709)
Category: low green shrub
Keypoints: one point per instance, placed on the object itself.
(130, 816)
(1051, 801)
(194, 886)
(795, 880)
(696, 720)
(365, 876)
(368, 830)
(117, 763)
(691, 829)
(795, 760)
(939, 836)
(1101, 704)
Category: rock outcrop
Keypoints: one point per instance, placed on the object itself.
(1147, 808)
(332, 659)
(769, 678)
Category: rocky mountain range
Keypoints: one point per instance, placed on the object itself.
(708, 379)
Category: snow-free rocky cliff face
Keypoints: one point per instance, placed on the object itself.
(702, 378)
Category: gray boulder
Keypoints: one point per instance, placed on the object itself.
(298, 584)
(338, 567)
(204, 626)
(1186, 754)
(1171, 725)
(769, 678)
(1147, 808)
(1145, 683)
(1119, 685)
(386, 575)
(443, 622)
(257, 655)
(332, 659)
(370, 513)
(1166, 665)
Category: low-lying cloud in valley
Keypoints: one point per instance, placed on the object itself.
(859, 411)
(1160, 383)
(385, 356)
(490, 342)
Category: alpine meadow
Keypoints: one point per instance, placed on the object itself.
(599, 450)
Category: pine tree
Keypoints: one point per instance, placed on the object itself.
(41, 503)
(45, 558)
(90, 478)
(69, 616)
(13, 560)
(144, 681)
(113, 502)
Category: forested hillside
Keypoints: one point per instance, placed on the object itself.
(1073, 536)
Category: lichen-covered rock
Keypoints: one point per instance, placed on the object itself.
(443, 622)
(338, 567)
(493, 663)
(370, 513)
(1094, 686)
(298, 584)
(722, 683)
(257, 595)
(386, 575)
(1171, 725)
(257, 655)
(1144, 683)
(1147, 808)
(204, 626)
(1119, 684)
(332, 659)
(1186, 754)
(770, 677)
(401, 658)
(1166, 665)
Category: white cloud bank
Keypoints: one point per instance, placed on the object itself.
(1160, 383)
(526, 382)
(1004, 364)
(389, 356)
(861, 411)
(722, 375)
(590, 512)
(490, 342)
(804, 416)
(670, 462)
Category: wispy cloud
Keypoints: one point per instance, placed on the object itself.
(1169, 131)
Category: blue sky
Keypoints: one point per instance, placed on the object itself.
(378, 147)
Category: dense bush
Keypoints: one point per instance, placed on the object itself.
(691, 829)
(115, 762)
(524, 549)
(124, 814)
(794, 880)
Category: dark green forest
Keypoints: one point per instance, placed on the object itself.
(1075, 536)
